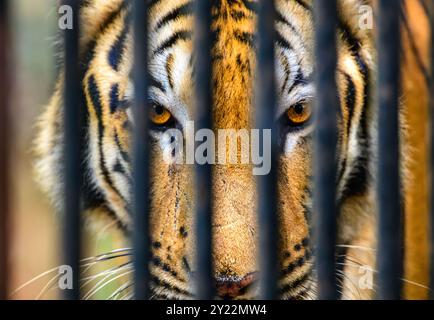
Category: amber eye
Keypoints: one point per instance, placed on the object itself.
(299, 113)
(159, 115)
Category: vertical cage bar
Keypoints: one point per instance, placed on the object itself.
(72, 151)
(389, 254)
(325, 166)
(267, 184)
(141, 242)
(431, 108)
(4, 148)
(204, 102)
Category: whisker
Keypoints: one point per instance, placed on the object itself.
(347, 284)
(402, 279)
(33, 280)
(121, 289)
(112, 270)
(47, 287)
(86, 263)
(355, 247)
(124, 267)
(95, 290)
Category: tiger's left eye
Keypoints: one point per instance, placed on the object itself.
(299, 113)
(159, 115)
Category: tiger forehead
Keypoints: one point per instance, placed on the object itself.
(233, 62)
(234, 28)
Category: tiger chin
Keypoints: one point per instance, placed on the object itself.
(106, 59)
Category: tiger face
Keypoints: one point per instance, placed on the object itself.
(108, 93)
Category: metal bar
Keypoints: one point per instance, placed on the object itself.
(141, 242)
(204, 101)
(325, 166)
(431, 108)
(4, 149)
(389, 255)
(267, 184)
(72, 149)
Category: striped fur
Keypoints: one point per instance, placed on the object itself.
(107, 92)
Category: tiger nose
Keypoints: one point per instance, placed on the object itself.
(231, 287)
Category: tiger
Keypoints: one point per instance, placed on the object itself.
(106, 51)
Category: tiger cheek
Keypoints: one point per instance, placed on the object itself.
(294, 201)
(170, 218)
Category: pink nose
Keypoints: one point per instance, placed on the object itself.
(231, 287)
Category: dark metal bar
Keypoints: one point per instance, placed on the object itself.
(267, 184)
(431, 108)
(204, 102)
(141, 242)
(72, 152)
(389, 254)
(4, 149)
(325, 166)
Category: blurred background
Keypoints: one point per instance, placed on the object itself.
(35, 226)
(35, 229)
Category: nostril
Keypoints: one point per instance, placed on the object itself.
(232, 287)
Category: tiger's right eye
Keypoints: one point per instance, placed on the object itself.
(299, 114)
(160, 116)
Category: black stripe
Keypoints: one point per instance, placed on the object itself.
(94, 94)
(298, 263)
(299, 80)
(182, 11)
(156, 261)
(118, 48)
(350, 99)
(414, 49)
(125, 155)
(177, 36)
(90, 51)
(92, 196)
(114, 97)
(281, 41)
(245, 37)
(295, 284)
(359, 175)
(280, 18)
(170, 287)
(303, 4)
(154, 82)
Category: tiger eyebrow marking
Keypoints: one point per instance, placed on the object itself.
(177, 36)
(281, 41)
(300, 79)
(181, 11)
(282, 19)
(153, 82)
(168, 66)
(285, 63)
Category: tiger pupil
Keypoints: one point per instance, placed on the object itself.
(298, 108)
(159, 110)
